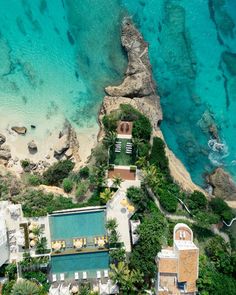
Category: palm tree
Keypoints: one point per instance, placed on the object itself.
(141, 162)
(117, 180)
(137, 142)
(41, 245)
(110, 139)
(25, 287)
(37, 231)
(106, 195)
(111, 224)
(125, 278)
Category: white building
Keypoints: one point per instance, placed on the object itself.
(4, 252)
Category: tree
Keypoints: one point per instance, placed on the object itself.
(41, 245)
(197, 201)
(67, 185)
(106, 195)
(24, 287)
(141, 162)
(151, 233)
(137, 143)
(125, 278)
(117, 180)
(37, 231)
(57, 172)
(117, 255)
(111, 224)
(158, 156)
(11, 271)
(221, 208)
(110, 139)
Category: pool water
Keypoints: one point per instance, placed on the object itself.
(79, 224)
(89, 262)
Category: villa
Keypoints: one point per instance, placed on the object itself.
(178, 265)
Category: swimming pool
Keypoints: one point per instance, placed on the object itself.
(89, 262)
(77, 224)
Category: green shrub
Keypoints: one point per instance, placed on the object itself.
(168, 201)
(143, 149)
(82, 189)
(57, 172)
(221, 208)
(25, 163)
(110, 121)
(100, 154)
(39, 276)
(142, 128)
(135, 194)
(11, 271)
(7, 287)
(197, 201)
(84, 172)
(67, 185)
(36, 203)
(158, 156)
(34, 179)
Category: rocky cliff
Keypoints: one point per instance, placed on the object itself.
(139, 90)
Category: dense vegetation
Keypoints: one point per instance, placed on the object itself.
(55, 174)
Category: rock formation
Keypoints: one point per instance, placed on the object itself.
(138, 87)
(223, 185)
(139, 90)
(19, 130)
(5, 153)
(2, 139)
(32, 147)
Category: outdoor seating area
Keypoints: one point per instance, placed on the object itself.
(124, 129)
(118, 147)
(122, 153)
(100, 241)
(58, 245)
(128, 148)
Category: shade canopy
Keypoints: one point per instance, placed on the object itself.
(124, 202)
(56, 246)
(75, 289)
(101, 243)
(131, 208)
(32, 243)
(78, 244)
(31, 236)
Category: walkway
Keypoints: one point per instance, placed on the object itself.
(122, 216)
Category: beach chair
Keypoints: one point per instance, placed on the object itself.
(76, 276)
(85, 275)
(95, 241)
(54, 277)
(98, 274)
(62, 277)
(84, 242)
(106, 273)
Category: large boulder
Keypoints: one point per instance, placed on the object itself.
(32, 147)
(223, 185)
(2, 138)
(19, 130)
(5, 152)
(61, 146)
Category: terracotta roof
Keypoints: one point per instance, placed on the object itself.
(168, 265)
(125, 128)
(188, 265)
(123, 173)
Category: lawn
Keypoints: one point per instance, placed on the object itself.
(122, 158)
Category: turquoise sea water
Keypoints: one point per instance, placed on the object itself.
(58, 55)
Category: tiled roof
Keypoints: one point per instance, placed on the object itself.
(168, 265)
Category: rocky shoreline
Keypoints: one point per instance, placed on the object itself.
(139, 90)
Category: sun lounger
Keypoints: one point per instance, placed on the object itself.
(62, 277)
(98, 274)
(84, 275)
(95, 241)
(105, 273)
(76, 276)
(54, 277)
(85, 242)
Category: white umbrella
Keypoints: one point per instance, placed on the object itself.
(31, 236)
(56, 246)
(32, 243)
(75, 289)
(101, 243)
(78, 244)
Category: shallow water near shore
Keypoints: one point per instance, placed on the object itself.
(57, 56)
(192, 51)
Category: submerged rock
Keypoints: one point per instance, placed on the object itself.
(2, 138)
(223, 185)
(19, 130)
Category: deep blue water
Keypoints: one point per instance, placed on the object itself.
(57, 56)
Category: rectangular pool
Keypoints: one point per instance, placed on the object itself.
(77, 224)
(71, 263)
